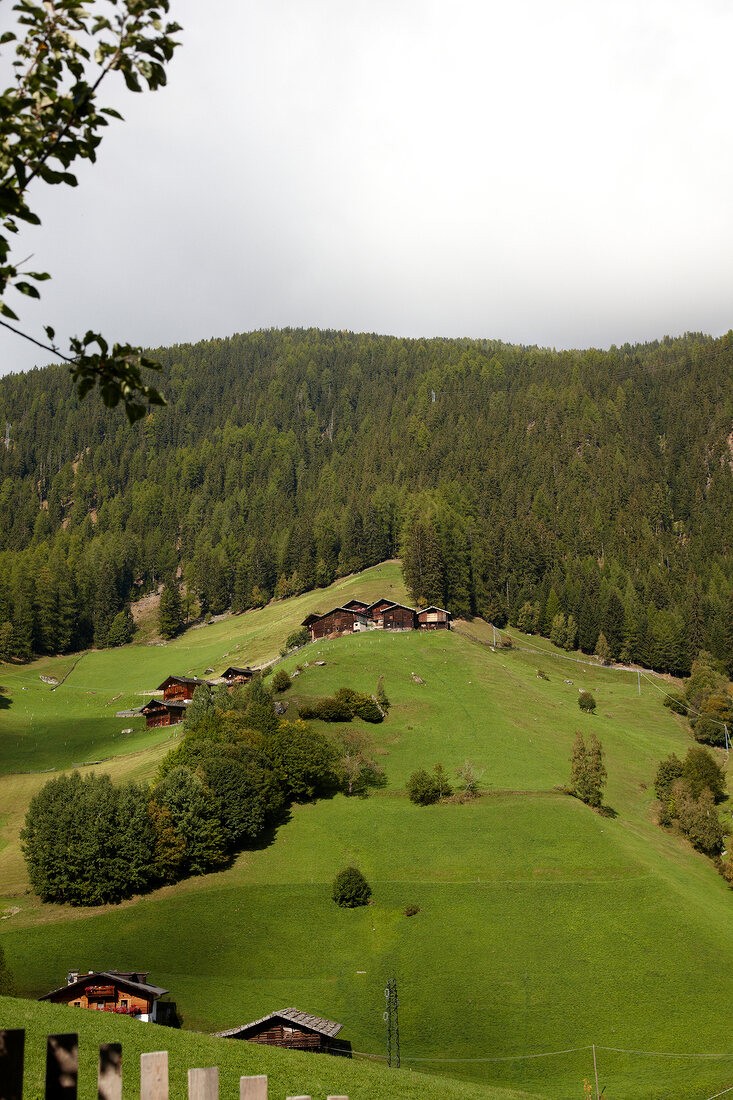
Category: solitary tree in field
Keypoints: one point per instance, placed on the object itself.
(587, 770)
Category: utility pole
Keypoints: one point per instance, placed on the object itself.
(638, 674)
(392, 1020)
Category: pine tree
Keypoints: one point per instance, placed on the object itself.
(587, 770)
(422, 564)
(170, 610)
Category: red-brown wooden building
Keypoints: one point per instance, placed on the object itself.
(375, 611)
(356, 605)
(433, 618)
(162, 712)
(179, 687)
(125, 992)
(341, 620)
(399, 617)
(234, 675)
(288, 1028)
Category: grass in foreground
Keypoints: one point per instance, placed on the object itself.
(289, 1073)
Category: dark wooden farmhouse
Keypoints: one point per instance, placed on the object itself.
(356, 605)
(162, 712)
(234, 675)
(126, 992)
(341, 620)
(288, 1028)
(375, 611)
(179, 687)
(398, 617)
(433, 618)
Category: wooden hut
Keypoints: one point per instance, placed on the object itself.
(126, 992)
(374, 611)
(433, 618)
(164, 712)
(340, 620)
(288, 1028)
(398, 617)
(356, 605)
(234, 675)
(180, 687)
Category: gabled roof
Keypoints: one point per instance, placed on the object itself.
(401, 605)
(382, 599)
(355, 605)
(181, 680)
(164, 704)
(312, 618)
(234, 670)
(328, 1028)
(433, 607)
(109, 977)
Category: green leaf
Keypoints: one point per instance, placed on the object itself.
(50, 333)
(7, 311)
(27, 288)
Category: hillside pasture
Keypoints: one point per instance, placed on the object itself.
(543, 927)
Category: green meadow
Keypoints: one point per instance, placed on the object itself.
(543, 927)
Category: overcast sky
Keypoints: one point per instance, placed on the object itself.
(557, 172)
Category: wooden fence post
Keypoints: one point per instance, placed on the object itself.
(250, 1088)
(62, 1066)
(12, 1044)
(337, 1098)
(203, 1084)
(154, 1076)
(109, 1075)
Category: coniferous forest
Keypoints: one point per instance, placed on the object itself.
(585, 495)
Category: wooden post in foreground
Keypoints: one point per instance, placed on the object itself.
(109, 1075)
(154, 1076)
(203, 1084)
(62, 1066)
(12, 1044)
(250, 1088)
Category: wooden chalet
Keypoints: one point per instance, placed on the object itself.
(399, 617)
(125, 992)
(375, 611)
(288, 1028)
(179, 687)
(340, 620)
(433, 618)
(234, 675)
(356, 605)
(164, 712)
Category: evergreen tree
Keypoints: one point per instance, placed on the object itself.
(121, 629)
(587, 770)
(170, 609)
(422, 564)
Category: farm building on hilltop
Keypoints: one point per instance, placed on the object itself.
(179, 688)
(289, 1028)
(126, 992)
(433, 618)
(356, 616)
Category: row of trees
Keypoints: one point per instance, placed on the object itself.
(706, 701)
(229, 780)
(577, 494)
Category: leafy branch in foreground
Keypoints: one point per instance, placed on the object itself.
(49, 118)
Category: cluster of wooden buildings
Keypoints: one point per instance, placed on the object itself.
(178, 693)
(383, 614)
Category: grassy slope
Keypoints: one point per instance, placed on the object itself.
(288, 1072)
(543, 926)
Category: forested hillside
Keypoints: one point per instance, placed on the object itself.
(574, 493)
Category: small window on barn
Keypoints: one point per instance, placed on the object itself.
(124, 1004)
(76, 1004)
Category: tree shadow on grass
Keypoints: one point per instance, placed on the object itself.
(5, 701)
(607, 811)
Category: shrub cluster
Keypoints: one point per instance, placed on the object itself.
(586, 702)
(705, 700)
(688, 791)
(425, 788)
(343, 706)
(87, 842)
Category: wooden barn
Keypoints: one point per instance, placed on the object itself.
(433, 618)
(356, 605)
(341, 620)
(126, 992)
(179, 687)
(234, 675)
(288, 1028)
(164, 712)
(398, 617)
(375, 611)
